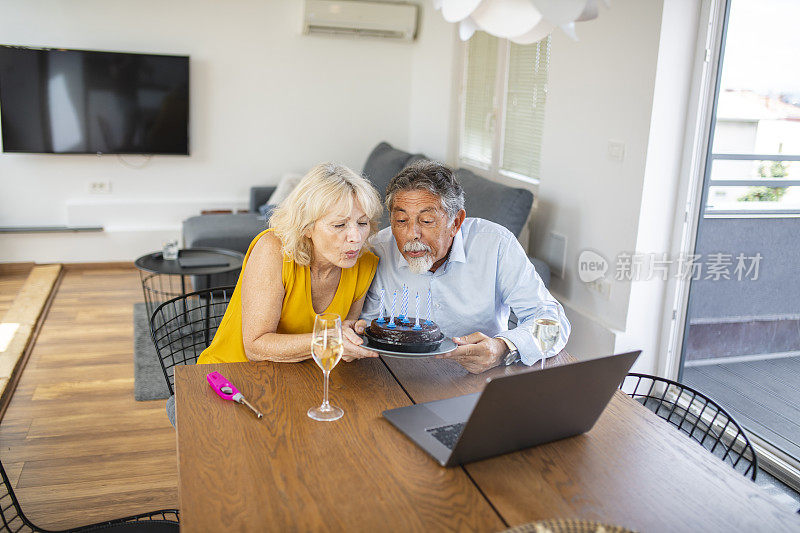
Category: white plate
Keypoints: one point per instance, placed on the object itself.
(446, 346)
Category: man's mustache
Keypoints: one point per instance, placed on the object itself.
(416, 246)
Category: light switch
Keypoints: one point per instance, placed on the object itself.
(616, 150)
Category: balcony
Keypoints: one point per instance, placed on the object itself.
(742, 345)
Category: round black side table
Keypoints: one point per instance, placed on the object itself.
(164, 279)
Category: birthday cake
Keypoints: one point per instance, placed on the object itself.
(403, 337)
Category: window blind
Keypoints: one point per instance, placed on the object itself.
(478, 130)
(525, 101)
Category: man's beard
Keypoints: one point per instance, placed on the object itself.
(418, 265)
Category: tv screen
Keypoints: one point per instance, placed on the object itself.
(56, 101)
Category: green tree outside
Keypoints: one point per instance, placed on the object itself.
(777, 169)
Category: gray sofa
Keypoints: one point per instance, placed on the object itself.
(493, 201)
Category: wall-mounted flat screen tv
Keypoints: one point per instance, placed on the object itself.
(55, 101)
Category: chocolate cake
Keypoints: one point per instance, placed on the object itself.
(403, 338)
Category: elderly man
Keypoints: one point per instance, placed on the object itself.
(475, 269)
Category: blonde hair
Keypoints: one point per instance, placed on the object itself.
(325, 186)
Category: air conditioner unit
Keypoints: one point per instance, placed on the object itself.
(367, 19)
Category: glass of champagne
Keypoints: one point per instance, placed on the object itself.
(326, 349)
(546, 327)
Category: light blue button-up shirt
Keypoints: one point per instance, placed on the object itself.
(486, 275)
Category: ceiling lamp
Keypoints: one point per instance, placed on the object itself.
(521, 21)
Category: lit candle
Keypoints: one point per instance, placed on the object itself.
(416, 322)
(391, 318)
(381, 320)
(428, 314)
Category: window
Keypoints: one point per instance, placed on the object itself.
(755, 156)
(503, 96)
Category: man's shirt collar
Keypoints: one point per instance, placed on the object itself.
(457, 253)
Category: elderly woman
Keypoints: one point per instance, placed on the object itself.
(312, 259)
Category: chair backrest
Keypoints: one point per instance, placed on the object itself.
(697, 416)
(184, 326)
(10, 511)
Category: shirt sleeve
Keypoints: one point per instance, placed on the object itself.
(521, 288)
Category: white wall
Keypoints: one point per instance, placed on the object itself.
(627, 80)
(432, 108)
(646, 305)
(264, 100)
(599, 89)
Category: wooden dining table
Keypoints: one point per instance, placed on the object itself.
(286, 472)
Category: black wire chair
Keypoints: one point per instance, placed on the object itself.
(184, 326)
(14, 520)
(697, 416)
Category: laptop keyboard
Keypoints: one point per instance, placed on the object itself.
(447, 435)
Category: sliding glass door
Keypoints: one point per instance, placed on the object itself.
(742, 332)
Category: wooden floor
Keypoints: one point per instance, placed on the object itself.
(10, 284)
(74, 442)
(763, 396)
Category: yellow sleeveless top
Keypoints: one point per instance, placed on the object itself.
(297, 313)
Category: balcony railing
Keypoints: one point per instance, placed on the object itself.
(719, 204)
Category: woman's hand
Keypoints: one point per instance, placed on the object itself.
(352, 343)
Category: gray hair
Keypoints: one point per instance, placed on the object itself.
(432, 177)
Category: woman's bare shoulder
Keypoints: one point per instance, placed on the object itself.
(267, 252)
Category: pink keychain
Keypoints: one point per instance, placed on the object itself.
(227, 391)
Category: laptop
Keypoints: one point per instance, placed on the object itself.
(514, 412)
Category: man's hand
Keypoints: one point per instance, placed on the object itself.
(477, 352)
(352, 342)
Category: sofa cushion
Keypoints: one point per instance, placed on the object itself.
(265, 211)
(259, 197)
(507, 206)
(285, 187)
(384, 163)
(231, 232)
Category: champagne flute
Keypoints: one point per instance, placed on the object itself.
(326, 349)
(546, 327)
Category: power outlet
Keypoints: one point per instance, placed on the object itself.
(99, 187)
(601, 286)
